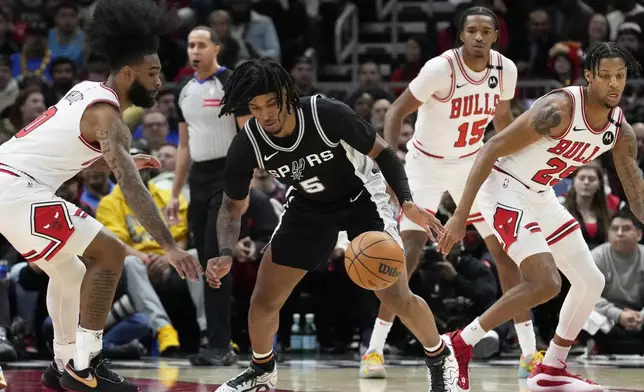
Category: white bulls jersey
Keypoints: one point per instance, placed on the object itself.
(51, 148)
(544, 163)
(458, 103)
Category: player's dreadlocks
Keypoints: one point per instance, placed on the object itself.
(258, 77)
(610, 50)
(123, 31)
(476, 10)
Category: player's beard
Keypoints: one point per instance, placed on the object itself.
(140, 96)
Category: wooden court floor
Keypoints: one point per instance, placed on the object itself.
(617, 375)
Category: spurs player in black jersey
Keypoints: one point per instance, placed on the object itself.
(325, 153)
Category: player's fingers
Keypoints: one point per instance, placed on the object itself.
(191, 271)
(430, 234)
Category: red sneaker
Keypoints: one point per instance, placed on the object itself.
(463, 353)
(551, 379)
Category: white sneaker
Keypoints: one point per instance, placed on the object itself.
(372, 365)
(252, 379)
(442, 371)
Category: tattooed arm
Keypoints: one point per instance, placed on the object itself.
(550, 116)
(229, 224)
(630, 175)
(114, 137)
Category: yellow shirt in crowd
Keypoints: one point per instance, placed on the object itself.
(117, 216)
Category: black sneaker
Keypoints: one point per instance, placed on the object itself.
(253, 379)
(51, 378)
(214, 357)
(442, 371)
(97, 377)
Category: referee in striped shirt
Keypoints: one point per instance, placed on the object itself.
(204, 138)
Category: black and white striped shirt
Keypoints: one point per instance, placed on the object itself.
(199, 104)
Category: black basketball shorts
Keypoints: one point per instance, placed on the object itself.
(306, 235)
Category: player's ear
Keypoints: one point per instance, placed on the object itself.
(128, 73)
(587, 75)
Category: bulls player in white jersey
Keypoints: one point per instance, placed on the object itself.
(513, 175)
(456, 94)
(86, 129)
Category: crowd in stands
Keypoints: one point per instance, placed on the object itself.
(43, 54)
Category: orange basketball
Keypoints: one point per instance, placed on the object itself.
(374, 260)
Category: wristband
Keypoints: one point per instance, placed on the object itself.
(226, 252)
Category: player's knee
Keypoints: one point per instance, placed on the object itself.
(549, 287)
(396, 298)
(106, 250)
(264, 305)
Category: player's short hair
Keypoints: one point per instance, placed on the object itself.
(213, 36)
(610, 50)
(476, 10)
(124, 31)
(258, 77)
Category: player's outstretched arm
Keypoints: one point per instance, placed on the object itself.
(630, 175)
(114, 138)
(402, 107)
(550, 116)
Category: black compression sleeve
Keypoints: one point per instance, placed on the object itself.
(394, 172)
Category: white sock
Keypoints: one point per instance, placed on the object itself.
(63, 353)
(473, 333)
(527, 340)
(556, 356)
(381, 329)
(88, 345)
(435, 348)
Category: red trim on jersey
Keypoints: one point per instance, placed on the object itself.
(88, 144)
(535, 230)
(531, 225)
(452, 87)
(572, 113)
(583, 114)
(476, 220)
(80, 213)
(9, 172)
(419, 147)
(618, 130)
(116, 97)
(498, 55)
(462, 66)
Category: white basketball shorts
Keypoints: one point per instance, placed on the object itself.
(430, 177)
(527, 222)
(39, 224)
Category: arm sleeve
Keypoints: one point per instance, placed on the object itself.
(340, 122)
(240, 163)
(509, 75)
(109, 214)
(431, 79)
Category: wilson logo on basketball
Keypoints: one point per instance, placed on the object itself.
(387, 270)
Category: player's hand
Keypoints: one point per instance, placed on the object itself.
(184, 263)
(424, 219)
(144, 161)
(172, 211)
(216, 269)
(454, 232)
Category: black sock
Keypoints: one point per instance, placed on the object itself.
(266, 363)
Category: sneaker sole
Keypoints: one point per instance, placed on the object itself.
(374, 374)
(49, 384)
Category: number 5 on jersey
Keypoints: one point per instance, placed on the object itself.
(312, 185)
(476, 130)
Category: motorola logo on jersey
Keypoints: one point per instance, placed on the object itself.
(608, 138)
(474, 104)
(492, 82)
(296, 168)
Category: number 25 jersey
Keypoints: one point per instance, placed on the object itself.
(543, 164)
(51, 149)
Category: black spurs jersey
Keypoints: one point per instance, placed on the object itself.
(324, 159)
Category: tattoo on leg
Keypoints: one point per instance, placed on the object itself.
(101, 294)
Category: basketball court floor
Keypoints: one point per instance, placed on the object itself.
(625, 374)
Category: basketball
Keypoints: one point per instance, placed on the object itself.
(374, 260)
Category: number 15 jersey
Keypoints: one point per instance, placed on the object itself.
(51, 149)
(543, 164)
(458, 103)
